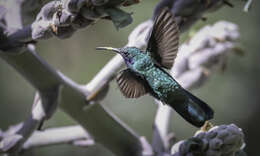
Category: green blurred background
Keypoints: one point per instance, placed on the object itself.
(234, 94)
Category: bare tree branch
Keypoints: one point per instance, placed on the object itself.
(74, 135)
(225, 36)
(62, 19)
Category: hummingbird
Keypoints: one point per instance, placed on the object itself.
(146, 71)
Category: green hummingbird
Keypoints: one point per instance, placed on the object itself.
(145, 72)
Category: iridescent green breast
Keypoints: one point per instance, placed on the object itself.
(162, 84)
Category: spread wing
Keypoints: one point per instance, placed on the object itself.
(164, 39)
(131, 85)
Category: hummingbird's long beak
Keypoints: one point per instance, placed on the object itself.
(108, 48)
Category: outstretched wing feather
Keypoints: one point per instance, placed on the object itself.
(131, 85)
(164, 39)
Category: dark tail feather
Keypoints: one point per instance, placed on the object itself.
(192, 109)
(205, 107)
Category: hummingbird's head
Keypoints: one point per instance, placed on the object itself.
(128, 53)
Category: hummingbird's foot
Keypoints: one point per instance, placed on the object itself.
(207, 126)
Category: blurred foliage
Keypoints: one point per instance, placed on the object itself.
(234, 94)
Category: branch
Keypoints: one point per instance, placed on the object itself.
(222, 42)
(92, 117)
(42, 108)
(74, 135)
(61, 19)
